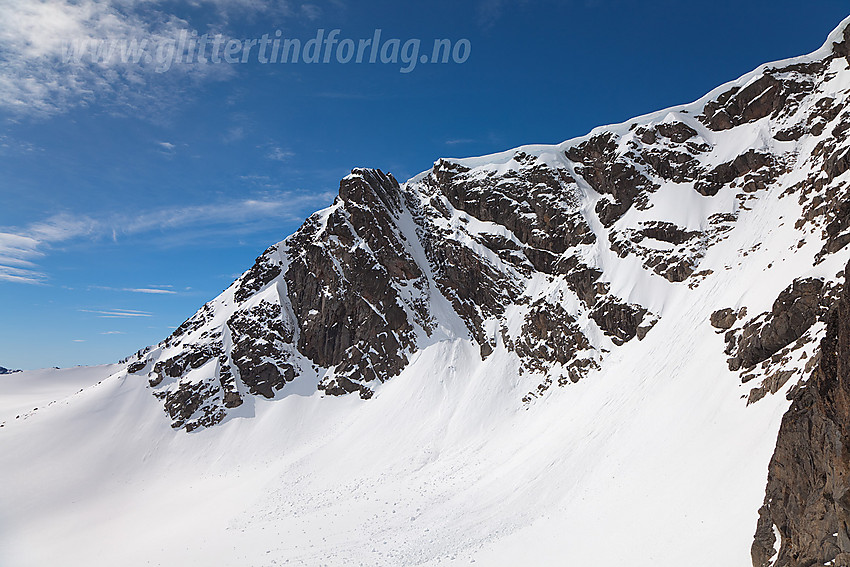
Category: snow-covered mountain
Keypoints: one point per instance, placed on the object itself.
(566, 355)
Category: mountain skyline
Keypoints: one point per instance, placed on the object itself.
(112, 241)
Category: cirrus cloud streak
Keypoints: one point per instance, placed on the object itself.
(22, 248)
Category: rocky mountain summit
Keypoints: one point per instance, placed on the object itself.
(7, 370)
(560, 256)
(527, 251)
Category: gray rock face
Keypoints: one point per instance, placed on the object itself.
(603, 166)
(260, 338)
(617, 319)
(808, 490)
(530, 201)
(348, 298)
(723, 318)
(794, 312)
(345, 294)
(711, 182)
(807, 498)
(550, 334)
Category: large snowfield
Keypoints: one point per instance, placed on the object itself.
(653, 461)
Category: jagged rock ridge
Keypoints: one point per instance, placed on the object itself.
(549, 252)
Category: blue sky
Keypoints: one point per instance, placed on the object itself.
(129, 197)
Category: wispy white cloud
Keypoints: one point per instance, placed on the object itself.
(18, 275)
(279, 154)
(117, 313)
(21, 249)
(153, 289)
(42, 71)
(113, 333)
(39, 73)
(233, 134)
(279, 204)
(9, 146)
(459, 141)
(261, 181)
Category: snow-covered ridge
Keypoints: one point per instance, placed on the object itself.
(591, 240)
(693, 108)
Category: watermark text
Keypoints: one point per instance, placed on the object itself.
(327, 46)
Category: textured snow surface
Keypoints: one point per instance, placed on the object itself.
(644, 464)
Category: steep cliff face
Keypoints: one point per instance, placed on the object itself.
(806, 514)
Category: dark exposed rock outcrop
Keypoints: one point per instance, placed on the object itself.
(260, 337)
(725, 173)
(342, 284)
(611, 172)
(794, 311)
(807, 498)
(618, 319)
(724, 318)
(549, 335)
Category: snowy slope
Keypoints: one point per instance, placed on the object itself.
(548, 351)
(645, 465)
